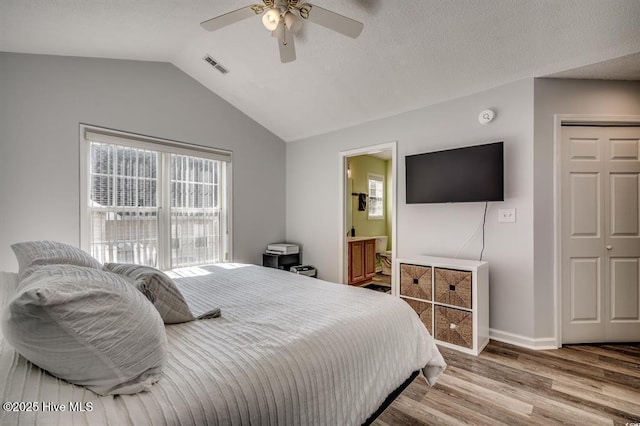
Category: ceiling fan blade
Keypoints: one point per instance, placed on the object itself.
(279, 31)
(287, 47)
(232, 17)
(333, 21)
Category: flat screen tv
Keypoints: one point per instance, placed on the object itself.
(469, 174)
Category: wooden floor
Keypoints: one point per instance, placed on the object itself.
(577, 385)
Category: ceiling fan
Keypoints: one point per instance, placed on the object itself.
(284, 18)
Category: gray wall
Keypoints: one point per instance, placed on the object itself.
(44, 98)
(441, 230)
(521, 255)
(556, 96)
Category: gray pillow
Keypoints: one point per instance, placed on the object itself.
(88, 327)
(158, 288)
(35, 253)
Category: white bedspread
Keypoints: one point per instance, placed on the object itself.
(288, 349)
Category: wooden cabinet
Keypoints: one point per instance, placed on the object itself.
(451, 297)
(362, 261)
(369, 259)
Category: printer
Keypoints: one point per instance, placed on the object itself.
(282, 248)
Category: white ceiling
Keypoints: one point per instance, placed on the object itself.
(411, 53)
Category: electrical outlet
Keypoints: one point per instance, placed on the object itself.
(507, 215)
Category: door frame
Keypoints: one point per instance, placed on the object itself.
(559, 120)
(343, 270)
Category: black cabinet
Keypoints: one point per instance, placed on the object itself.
(280, 261)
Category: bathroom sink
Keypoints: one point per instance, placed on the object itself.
(349, 239)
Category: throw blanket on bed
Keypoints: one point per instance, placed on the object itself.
(287, 349)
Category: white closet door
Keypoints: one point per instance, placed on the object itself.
(600, 205)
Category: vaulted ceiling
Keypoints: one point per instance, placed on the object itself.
(411, 53)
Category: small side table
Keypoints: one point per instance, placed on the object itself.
(280, 261)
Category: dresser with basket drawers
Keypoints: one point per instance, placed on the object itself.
(451, 297)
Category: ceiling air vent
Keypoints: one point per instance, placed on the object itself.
(215, 64)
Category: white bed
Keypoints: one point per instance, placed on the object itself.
(288, 349)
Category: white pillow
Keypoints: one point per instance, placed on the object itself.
(158, 288)
(8, 285)
(34, 253)
(88, 327)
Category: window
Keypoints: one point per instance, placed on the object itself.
(153, 202)
(376, 196)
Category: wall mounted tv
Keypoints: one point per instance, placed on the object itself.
(468, 174)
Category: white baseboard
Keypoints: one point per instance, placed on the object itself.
(523, 341)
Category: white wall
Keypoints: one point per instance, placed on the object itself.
(44, 98)
(556, 96)
(442, 230)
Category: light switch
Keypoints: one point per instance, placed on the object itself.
(506, 215)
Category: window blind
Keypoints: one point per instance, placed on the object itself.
(376, 196)
(148, 143)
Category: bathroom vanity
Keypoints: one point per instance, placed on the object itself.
(362, 259)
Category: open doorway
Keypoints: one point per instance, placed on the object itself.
(367, 239)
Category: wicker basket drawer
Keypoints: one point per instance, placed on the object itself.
(454, 326)
(453, 287)
(423, 309)
(415, 281)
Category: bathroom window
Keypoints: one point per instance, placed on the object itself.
(376, 196)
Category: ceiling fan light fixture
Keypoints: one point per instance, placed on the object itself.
(283, 18)
(292, 22)
(271, 18)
